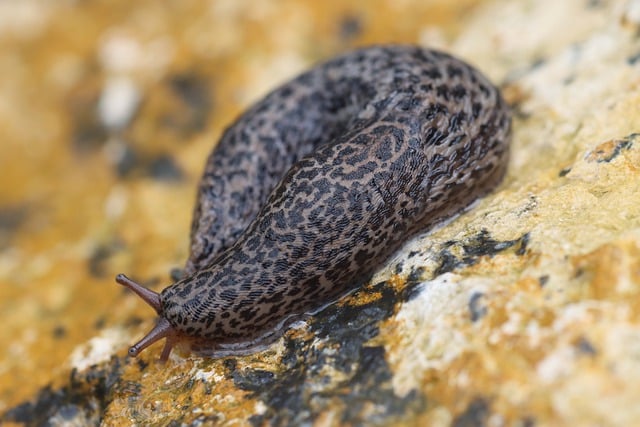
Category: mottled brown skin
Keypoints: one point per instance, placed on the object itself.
(315, 186)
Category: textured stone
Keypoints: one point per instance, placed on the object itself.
(524, 310)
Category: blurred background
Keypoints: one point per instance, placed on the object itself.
(108, 110)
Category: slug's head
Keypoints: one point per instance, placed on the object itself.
(163, 328)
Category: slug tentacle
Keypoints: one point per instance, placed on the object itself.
(150, 297)
(163, 328)
(314, 187)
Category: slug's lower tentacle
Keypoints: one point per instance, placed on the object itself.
(163, 329)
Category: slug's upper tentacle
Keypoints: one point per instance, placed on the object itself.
(150, 297)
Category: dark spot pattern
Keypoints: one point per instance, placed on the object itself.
(194, 94)
(350, 27)
(476, 247)
(584, 346)
(476, 414)
(543, 280)
(99, 259)
(608, 151)
(476, 307)
(82, 400)
(11, 218)
(564, 172)
(164, 168)
(315, 186)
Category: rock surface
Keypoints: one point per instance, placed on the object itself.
(523, 311)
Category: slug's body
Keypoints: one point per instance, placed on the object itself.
(314, 187)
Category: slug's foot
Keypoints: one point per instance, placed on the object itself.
(163, 328)
(248, 345)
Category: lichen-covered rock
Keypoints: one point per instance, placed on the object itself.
(523, 311)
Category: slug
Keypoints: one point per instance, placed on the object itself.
(319, 183)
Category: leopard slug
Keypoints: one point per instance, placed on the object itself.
(319, 183)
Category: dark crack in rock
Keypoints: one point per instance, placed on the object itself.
(99, 259)
(164, 168)
(194, 94)
(301, 389)
(351, 27)
(609, 150)
(82, 401)
(477, 309)
(475, 415)
(11, 218)
(476, 247)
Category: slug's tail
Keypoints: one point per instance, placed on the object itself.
(163, 328)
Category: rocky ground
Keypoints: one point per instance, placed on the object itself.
(524, 311)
